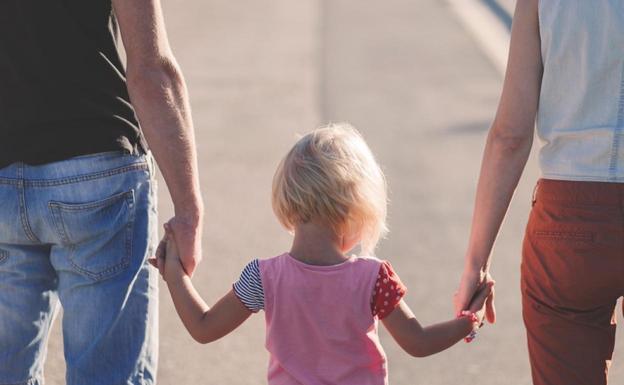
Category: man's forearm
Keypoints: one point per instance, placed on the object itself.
(159, 95)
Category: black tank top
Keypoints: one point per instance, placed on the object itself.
(62, 83)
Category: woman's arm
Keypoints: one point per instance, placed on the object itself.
(507, 148)
(421, 341)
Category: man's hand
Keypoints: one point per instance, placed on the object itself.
(168, 259)
(187, 234)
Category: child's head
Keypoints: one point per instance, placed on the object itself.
(331, 177)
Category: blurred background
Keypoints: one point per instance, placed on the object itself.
(421, 80)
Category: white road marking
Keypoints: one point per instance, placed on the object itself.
(489, 31)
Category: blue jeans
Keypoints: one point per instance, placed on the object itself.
(79, 232)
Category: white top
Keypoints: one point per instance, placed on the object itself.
(580, 119)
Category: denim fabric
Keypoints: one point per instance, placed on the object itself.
(581, 110)
(78, 232)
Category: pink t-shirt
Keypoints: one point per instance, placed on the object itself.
(320, 327)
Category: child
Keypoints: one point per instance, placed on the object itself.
(322, 306)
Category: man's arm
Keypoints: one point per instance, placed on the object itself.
(158, 93)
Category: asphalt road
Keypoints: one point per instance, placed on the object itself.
(508, 5)
(418, 87)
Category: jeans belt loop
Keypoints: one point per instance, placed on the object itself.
(151, 163)
(534, 196)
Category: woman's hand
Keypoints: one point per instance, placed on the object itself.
(479, 304)
(472, 283)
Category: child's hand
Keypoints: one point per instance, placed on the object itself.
(173, 264)
(477, 304)
(167, 259)
(158, 260)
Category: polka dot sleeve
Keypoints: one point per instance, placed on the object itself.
(388, 291)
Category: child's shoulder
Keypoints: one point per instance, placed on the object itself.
(272, 259)
(368, 259)
(285, 259)
(383, 265)
(271, 263)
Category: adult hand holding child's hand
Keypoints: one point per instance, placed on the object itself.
(478, 305)
(478, 308)
(167, 258)
(187, 233)
(470, 286)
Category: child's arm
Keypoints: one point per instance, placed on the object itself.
(421, 342)
(205, 324)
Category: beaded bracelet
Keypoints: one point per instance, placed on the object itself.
(475, 321)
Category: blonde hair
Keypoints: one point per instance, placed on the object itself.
(331, 175)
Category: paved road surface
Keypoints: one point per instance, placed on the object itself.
(508, 5)
(422, 93)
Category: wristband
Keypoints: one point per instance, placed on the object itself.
(475, 324)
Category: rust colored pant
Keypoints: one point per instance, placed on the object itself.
(572, 276)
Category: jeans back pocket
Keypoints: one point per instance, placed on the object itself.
(97, 235)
